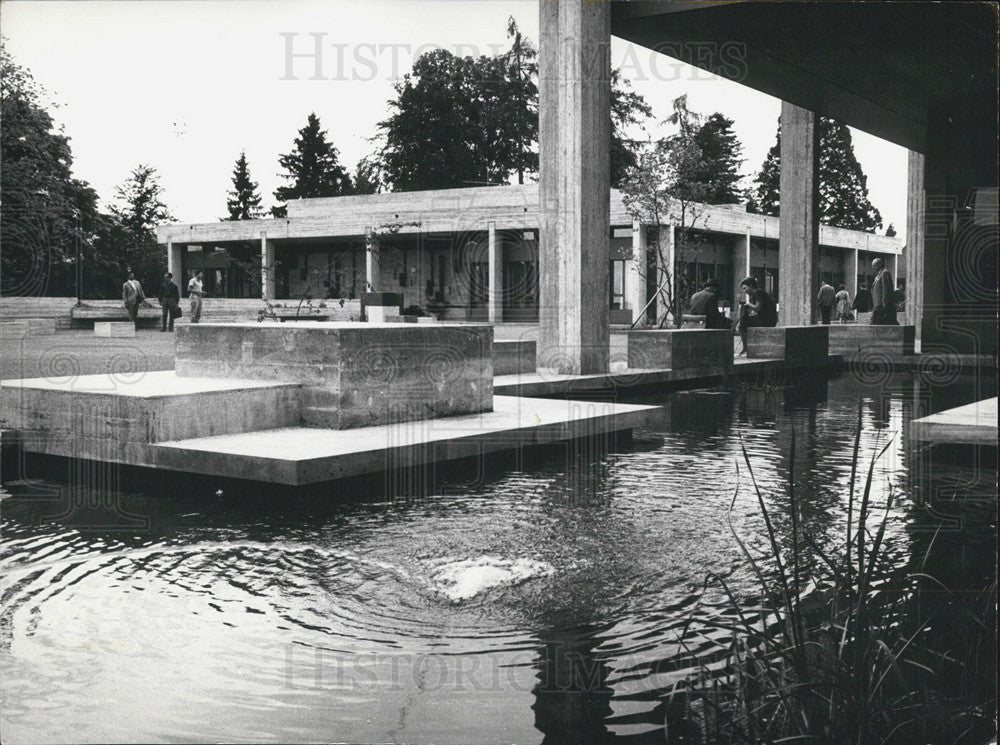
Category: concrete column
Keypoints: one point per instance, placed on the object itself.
(666, 265)
(914, 241)
(174, 262)
(741, 264)
(851, 271)
(574, 188)
(891, 263)
(495, 249)
(635, 271)
(798, 253)
(267, 269)
(373, 278)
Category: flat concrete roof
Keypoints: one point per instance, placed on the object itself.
(513, 207)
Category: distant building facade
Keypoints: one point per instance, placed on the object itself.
(472, 254)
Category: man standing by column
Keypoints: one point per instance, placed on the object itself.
(825, 299)
(883, 296)
(132, 295)
(196, 290)
(170, 298)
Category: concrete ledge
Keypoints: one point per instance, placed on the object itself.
(791, 343)
(974, 424)
(855, 339)
(112, 417)
(681, 349)
(124, 329)
(514, 356)
(354, 374)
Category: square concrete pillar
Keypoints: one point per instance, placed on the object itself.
(174, 262)
(373, 271)
(267, 267)
(741, 264)
(666, 265)
(914, 241)
(574, 185)
(798, 254)
(635, 272)
(495, 256)
(851, 271)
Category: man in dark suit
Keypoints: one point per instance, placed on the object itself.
(170, 298)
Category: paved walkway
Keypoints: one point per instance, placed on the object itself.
(81, 353)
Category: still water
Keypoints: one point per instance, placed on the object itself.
(525, 602)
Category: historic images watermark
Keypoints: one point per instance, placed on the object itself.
(319, 56)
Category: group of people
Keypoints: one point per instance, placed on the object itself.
(169, 298)
(757, 307)
(880, 301)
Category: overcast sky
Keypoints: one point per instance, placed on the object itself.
(184, 85)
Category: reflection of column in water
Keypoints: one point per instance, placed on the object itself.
(880, 406)
(806, 392)
(758, 403)
(706, 409)
(572, 696)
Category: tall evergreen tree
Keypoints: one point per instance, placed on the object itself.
(843, 186)
(720, 152)
(628, 109)
(312, 168)
(367, 179)
(244, 198)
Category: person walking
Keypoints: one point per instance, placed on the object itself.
(825, 299)
(705, 302)
(170, 298)
(883, 296)
(132, 296)
(196, 289)
(758, 309)
(844, 313)
(862, 303)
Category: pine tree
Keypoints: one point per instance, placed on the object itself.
(244, 198)
(843, 186)
(890, 232)
(129, 240)
(312, 167)
(720, 152)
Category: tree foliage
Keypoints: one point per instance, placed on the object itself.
(721, 153)
(665, 190)
(843, 186)
(243, 201)
(312, 168)
(45, 213)
(463, 121)
(128, 242)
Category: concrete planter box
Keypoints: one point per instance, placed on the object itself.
(620, 316)
(710, 350)
(514, 357)
(851, 340)
(790, 343)
(353, 375)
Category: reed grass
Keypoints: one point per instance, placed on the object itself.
(858, 667)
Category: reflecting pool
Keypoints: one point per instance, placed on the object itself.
(538, 599)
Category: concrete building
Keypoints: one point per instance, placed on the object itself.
(472, 254)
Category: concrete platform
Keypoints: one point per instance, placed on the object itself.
(116, 329)
(300, 455)
(680, 349)
(857, 340)
(352, 374)
(974, 424)
(793, 343)
(514, 356)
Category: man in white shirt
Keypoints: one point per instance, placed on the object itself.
(196, 291)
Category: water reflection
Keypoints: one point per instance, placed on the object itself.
(273, 615)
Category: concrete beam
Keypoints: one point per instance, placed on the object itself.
(798, 255)
(574, 122)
